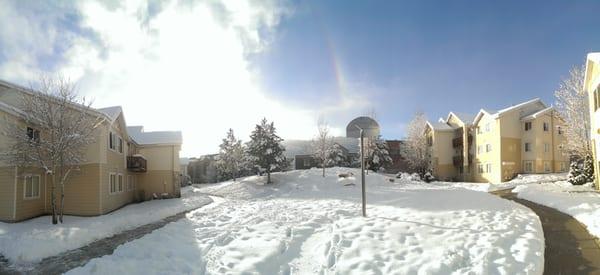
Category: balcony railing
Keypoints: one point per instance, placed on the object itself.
(136, 163)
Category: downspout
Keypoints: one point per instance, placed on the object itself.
(15, 193)
(552, 140)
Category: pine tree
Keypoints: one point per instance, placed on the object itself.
(336, 156)
(378, 156)
(588, 168)
(576, 174)
(265, 150)
(230, 156)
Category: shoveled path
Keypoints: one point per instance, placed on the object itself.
(570, 249)
(78, 257)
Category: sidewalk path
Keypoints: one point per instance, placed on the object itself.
(78, 257)
(570, 249)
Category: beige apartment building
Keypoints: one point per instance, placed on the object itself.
(592, 87)
(123, 165)
(495, 146)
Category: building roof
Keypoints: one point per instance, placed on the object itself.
(439, 126)
(141, 137)
(594, 57)
(112, 112)
(464, 117)
(496, 114)
(538, 114)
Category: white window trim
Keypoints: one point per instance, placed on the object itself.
(120, 175)
(488, 168)
(488, 145)
(25, 176)
(525, 166)
(109, 184)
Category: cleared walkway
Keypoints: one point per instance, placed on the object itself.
(570, 249)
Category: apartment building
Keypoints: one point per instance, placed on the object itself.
(497, 145)
(592, 87)
(123, 165)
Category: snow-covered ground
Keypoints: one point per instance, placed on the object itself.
(519, 180)
(306, 224)
(582, 202)
(27, 242)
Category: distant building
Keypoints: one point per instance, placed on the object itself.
(300, 151)
(203, 169)
(185, 177)
(399, 163)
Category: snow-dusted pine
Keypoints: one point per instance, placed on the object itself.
(231, 156)
(379, 155)
(265, 150)
(336, 157)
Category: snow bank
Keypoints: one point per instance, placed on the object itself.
(582, 202)
(307, 224)
(520, 179)
(27, 242)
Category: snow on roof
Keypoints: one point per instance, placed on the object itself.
(538, 113)
(439, 126)
(464, 117)
(11, 110)
(112, 112)
(594, 57)
(517, 106)
(153, 138)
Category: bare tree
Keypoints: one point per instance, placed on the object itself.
(322, 145)
(416, 147)
(55, 130)
(572, 105)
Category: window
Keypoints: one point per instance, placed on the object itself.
(559, 129)
(306, 162)
(528, 166)
(130, 185)
(112, 183)
(33, 134)
(487, 127)
(488, 147)
(527, 126)
(120, 182)
(480, 168)
(479, 149)
(120, 145)
(546, 166)
(546, 127)
(31, 187)
(546, 147)
(488, 168)
(527, 147)
(111, 141)
(596, 100)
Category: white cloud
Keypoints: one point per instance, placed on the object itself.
(177, 66)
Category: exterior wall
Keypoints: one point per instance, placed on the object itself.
(7, 193)
(81, 191)
(442, 153)
(30, 207)
(482, 138)
(162, 175)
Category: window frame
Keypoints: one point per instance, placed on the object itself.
(527, 147)
(546, 147)
(528, 125)
(112, 182)
(525, 166)
(120, 185)
(39, 188)
(545, 126)
(488, 147)
(480, 168)
(488, 168)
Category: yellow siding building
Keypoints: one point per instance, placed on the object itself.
(123, 165)
(592, 87)
(524, 138)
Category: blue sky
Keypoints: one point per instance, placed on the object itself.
(433, 56)
(205, 66)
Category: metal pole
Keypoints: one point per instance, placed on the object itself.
(362, 173)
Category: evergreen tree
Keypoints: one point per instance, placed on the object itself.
(588, 168)
(230, 156)
(378, 156)
(336, 156)
(265, 150)
(576, 174)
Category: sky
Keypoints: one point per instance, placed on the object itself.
(203, 67)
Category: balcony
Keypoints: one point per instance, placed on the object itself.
(136, 163)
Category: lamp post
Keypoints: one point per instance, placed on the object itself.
(362, 171)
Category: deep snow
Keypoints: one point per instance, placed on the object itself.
(30, 241)
(304, 223)
(521, 179)
(582, 202)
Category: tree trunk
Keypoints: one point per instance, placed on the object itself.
(62, 202)
(323, 170)
(53, 199)
(268, 177)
